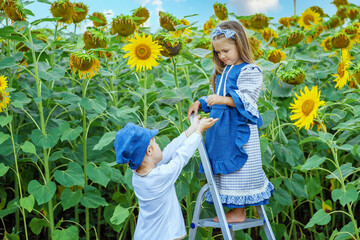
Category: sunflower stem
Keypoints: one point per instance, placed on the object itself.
(47, 165)
(84, 140)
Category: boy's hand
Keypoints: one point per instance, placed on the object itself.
(205, 124)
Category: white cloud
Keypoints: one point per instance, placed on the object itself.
(158, 4)
(108, 14)
(144, 2)
(249, 7)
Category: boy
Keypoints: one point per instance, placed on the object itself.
(155, 173)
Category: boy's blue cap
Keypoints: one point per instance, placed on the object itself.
(131, 144)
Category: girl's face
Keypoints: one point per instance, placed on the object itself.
(226, 51)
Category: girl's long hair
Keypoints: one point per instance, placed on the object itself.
(242, 44)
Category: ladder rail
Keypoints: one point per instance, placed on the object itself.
(228, 230)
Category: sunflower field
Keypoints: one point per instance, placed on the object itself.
(64, 95)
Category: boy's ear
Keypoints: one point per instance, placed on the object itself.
(149, 150)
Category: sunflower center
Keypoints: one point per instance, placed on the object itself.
(307, 107)
(143, 51)
(340, 69)
(308, 19)
(1, 98)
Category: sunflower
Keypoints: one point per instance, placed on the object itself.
(319, 10)
(342, 13)
(285, 21)
(3, 83)
(14, 10)
(204, 43)
(326, 44)
(294, 38)
(140, 15)
(100, 21)
(220, 11)
(309, 19)
(64, 9)
(293, 77)
(269, 34)
(259, 21)
(353, 13)
(94, 38)
(123, 25)
(319, 126)
(333, 22)
(255, 47)
(86, 64)
(340, 40)
(276, 56)
(355, 76)
(4, 100)
(305, 107)
(183, 32)
(170, 46)
(80, 12)
(142, 52)
(208, 26)
(338, 3)
(342, 70)
(326, 206)
(168, 21)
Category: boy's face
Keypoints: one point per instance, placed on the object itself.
(157, 153)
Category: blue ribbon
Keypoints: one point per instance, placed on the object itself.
(227, 32)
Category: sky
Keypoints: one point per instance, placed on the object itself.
(181, 8)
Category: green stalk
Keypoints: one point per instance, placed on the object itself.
(43, 130)
(84, 140)
(342, 181)
(55, 39)
(18, 183)
(145, 100)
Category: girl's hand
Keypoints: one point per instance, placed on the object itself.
(215, 99)
(194, 109)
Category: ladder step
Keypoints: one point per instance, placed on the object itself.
(249, 223)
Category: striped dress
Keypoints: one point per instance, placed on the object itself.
(236, 162)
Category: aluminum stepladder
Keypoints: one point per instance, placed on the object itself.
(228, 230)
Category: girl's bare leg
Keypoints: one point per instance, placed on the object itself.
(235, 215)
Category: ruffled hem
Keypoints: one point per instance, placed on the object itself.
(255, 199)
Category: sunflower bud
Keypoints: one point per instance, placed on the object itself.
(101, 17)
(208, 26)
(319, 10)
(204, 43)
(326, 206)
(14, 10)
(141, 14)
(94, 38)
(259, 21)
(353, 13)
(340, 40)
(170, 46)
(294, 38)
(22, 47)
(123, 25)
(293, 77)
(342, 12)
(285, 21)
(80, 15)
(255, 48)
(276, 56)
(339, 3)
(86, 64)
(168, 21)
(63, 9)
(220, 11)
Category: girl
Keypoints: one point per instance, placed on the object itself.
(233, 142)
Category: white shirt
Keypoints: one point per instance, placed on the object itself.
(160, 216)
